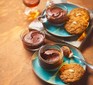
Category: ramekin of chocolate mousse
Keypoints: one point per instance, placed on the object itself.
(50, 57)
(33, 39)
(55, 14)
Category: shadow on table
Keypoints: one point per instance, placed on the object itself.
(89, 72)
(88, 42)
(85, 79)
(82, 81)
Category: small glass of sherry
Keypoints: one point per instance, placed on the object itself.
(31, 11)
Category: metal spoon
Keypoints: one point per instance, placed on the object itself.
(89, 65)
(70, 55)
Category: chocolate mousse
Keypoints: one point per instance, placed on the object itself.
(33, 40)
(51, 55)
(56, 15)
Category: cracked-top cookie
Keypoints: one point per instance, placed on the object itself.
(78, 21)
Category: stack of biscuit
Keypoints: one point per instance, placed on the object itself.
(78, 21)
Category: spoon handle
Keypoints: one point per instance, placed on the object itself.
(89, 65)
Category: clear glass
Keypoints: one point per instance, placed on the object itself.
(28, 46)
(31, 9)
(53, 65)
(43, 17)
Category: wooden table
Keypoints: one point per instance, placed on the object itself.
(15, 61)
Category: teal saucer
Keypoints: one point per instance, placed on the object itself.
(50, 76)
(59, 30)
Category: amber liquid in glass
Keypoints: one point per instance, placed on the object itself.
(31, 11)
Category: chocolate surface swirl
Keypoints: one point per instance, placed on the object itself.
(56, 15)
(33, 38)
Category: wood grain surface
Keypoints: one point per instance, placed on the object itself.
(15, 61)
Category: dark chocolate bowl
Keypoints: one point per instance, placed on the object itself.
(33, 39)
(50, 57)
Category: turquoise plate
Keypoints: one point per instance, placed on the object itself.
(51, 76)
(59, 31)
